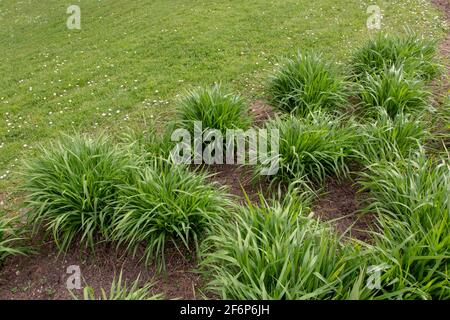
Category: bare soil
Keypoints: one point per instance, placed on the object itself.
(43, 275)
(239, 180)
(261, 112)
(340, 204)
(444, 5)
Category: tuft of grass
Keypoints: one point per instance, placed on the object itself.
(411, 199)
(306, 83)
(167, 203)
(387, 138)
(121, 291)
(71, 187)
(149, 143)
(214, 108)
(10, 237)
(417, 56)
(273, 251)
(313, 148)
(392, 91)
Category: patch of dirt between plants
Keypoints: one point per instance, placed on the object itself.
(239, 180)
(261, 111)
(444, 5)
(42, 275)
(441, 86)
(340, 204)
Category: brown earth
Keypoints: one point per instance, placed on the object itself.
(340, 204)
(43, 275)
(239, 180)
(261, 112)
(444, 5)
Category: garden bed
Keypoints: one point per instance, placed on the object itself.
(342, 202)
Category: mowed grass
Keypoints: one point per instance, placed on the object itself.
(131, 59)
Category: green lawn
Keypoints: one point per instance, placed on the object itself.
(131, 58)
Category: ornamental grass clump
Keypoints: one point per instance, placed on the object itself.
(167, 203)
(305, 84)
(273, 251)
(393, 92)
(385, 138)
(71, 188)
(313, 148)
(411, 198)
(417, 56)
(214, 108)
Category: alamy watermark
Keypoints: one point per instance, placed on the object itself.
(374, 20)
(209, 146)
(74, 20)
(74, 280)
(374, 279)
